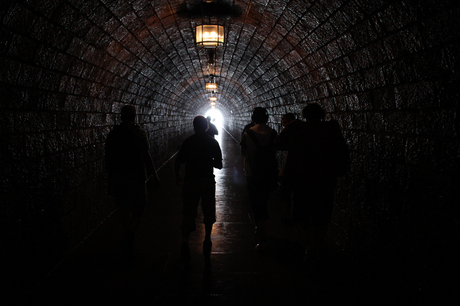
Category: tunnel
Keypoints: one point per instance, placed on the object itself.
(386, 70)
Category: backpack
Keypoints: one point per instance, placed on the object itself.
(264, 164)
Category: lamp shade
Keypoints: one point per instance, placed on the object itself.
(209, 36)
(211, 86)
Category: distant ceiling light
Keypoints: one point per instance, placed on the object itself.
(211, 86)
(211, 69)
(214, 99)
(209, 36)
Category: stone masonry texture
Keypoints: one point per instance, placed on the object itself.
(387, 70)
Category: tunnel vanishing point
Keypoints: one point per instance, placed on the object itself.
(386, 70)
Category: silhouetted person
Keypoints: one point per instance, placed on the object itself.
(285, 190)
(212, 129)
(317, 152)
(127, 159)
(261, 169)
(200, 153)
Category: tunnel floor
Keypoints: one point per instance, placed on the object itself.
(98, 273)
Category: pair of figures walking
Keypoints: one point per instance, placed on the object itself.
(316, 155)
(128, 161)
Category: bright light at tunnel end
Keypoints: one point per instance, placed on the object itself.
(216, 117)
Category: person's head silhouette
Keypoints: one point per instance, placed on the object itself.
(259, 115)
(200, 124)
(313, 111)
(128, 113)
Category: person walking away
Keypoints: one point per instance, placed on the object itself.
(212, 129)
(200, 153)
(318, 154)
(127, 159)
(261, 169)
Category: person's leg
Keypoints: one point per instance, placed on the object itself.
(208, 206)
(262, 232)
(261, 198)
(303, 228)
(190, 199)
(302, 217)
(318, 235)
(262, 213)
(321, 215)
(128, 234)
(126, 217)
(285, 195)
(254, 203)
(132, 209)
(288, 207)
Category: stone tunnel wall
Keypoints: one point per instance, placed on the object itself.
(388, 73)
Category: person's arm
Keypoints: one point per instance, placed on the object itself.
(217, 160)
(217, 163)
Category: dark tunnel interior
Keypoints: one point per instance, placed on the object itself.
(386, 70)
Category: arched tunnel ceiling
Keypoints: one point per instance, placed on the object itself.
(157, 37)
(273, 48)
(277, 52)
(263, 42)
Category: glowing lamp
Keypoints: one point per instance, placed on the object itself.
(209, 36)
(211, 86)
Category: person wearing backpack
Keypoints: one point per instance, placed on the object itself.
(318, 154)
(200, 153)
(261, 169)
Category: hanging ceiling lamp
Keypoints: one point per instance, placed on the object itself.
(209, 35)
(211, 86)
